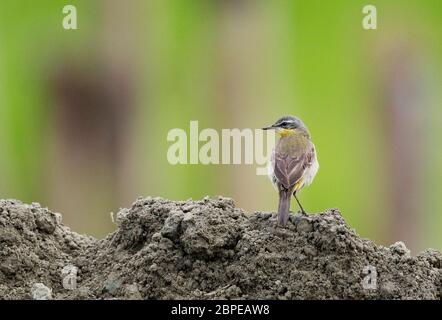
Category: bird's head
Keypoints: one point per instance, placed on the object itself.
(288, 125)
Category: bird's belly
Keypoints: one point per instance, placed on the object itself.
(310, 173)
(271, 170)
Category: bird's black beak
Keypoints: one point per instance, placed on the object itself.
(269, 128)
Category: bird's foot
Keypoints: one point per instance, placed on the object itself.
(300, 212)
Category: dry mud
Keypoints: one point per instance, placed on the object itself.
(204, 249)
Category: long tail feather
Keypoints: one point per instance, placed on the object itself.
(284, 207)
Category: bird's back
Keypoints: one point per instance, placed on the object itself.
(293, 145)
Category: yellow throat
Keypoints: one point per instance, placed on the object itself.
(285, 132)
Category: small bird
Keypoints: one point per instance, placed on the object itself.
(293, 163)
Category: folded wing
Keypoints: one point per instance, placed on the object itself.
(289, 170)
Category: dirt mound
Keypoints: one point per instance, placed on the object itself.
(34, 247)
(204, 250)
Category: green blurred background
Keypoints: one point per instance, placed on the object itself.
(84, 114)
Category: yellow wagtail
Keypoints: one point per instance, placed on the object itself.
(293, 163)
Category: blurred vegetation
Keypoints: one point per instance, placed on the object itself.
(84, 114)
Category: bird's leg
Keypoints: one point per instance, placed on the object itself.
(299, 204)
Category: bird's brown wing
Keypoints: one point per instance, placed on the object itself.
(288, 170)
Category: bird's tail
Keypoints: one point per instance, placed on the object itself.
(284, 206)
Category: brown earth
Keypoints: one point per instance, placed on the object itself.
(204, 249)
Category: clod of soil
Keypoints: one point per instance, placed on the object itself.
(204, 249)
